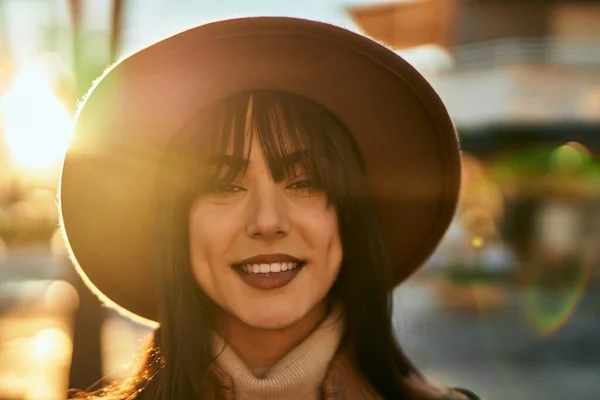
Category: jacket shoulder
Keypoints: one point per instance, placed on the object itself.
(343, 381)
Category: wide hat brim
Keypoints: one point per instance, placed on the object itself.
(400, 125)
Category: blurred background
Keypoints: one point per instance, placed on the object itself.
(508, 306)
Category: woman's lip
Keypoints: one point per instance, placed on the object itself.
(269, 259)
(272, 280)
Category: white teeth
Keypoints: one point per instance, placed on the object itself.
(268, 268)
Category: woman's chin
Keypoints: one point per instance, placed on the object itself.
(279, 318)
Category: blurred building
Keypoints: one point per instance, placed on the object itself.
(508, 62)
(522, 83)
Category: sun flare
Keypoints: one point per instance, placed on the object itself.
(37, 126)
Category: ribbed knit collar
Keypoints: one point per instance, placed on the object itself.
(297, 376)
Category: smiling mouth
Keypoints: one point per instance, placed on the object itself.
(269, 271)
(269, 264)
(268, 268)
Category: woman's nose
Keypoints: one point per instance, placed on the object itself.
(267, 215)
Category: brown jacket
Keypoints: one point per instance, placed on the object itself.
(342, 382)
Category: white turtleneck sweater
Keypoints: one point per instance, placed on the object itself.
(297, 376)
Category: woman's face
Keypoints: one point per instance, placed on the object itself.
(266, 252)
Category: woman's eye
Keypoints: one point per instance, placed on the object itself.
(305, 184)
(225, 190)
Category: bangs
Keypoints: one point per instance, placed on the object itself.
(293, 133)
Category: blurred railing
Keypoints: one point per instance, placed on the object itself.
(519, 50)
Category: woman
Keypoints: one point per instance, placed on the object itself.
(257, 187)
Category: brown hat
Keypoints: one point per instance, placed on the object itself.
(401, 127)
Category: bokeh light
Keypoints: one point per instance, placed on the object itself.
(477, 242)
(52, 343)
(61, 296)
(570, 157)
(548, 309)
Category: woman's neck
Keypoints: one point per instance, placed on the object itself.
(260, 349)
